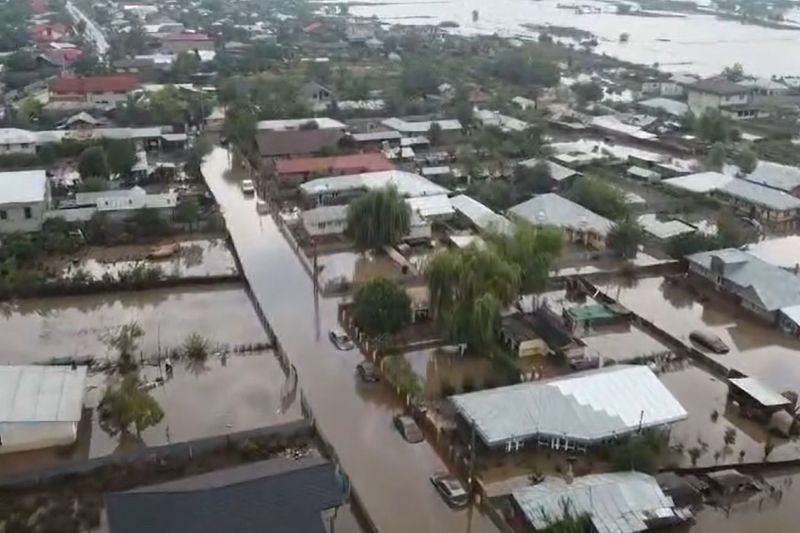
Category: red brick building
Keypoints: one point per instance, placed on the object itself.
(98, 90)
(295, 171)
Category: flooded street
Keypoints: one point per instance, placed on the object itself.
(694, 42)
(390, 475)
(38, 329)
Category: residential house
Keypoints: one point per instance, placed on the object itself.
(664, 228)
(375, 140)
(495, 119)
(92, 90)
(561, 177)
(296, 171)
(450, 129)
(521, 337)
(284, 138)
(524, 103)
(175, 43)
(569, 413)
(768, 291)
(731, 99)
(118, 204)
(315, 95)
(479, 216)
(341, 189)
(17, 141)
(80, 121)
(60, 57)
(40, 406)
(45, 33)
(622, 502)
(771, 206)
(777, 176)
(278, 495)
(433, 208)
(24, 199)
(578, 223)
(325, 220)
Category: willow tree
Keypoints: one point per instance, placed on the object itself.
(378, 218)
(534, 251)
(469, 288)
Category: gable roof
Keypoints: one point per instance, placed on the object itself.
(776, 175)
(719, 86)
(23, 187)
(586, 406)
(481, 216)
(278, 495)
(618, 502)
(94, 84)
(553, 210)
(41, 393)
(407, 184)
(350, 164)
(273, 143)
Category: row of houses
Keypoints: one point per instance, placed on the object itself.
(19, 141)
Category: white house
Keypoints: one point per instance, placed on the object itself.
(24, 199)
(118, 204)
(720, 94)
(40, 406)
(17, 141)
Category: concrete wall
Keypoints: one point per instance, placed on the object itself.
(26, 217)
(17, 148)
(22, 436)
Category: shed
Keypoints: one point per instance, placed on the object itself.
(519, 334)
(40, 406)
(753, 395)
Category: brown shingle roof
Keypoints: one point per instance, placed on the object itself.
(94, 84)
(345, 164)
(295, 142)
(720, 86)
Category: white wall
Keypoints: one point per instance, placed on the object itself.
(17, 148)
(13, 219)
(20, 436)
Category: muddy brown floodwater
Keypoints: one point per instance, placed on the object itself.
(390, 475)
(38, 329)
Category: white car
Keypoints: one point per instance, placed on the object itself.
(248, 187)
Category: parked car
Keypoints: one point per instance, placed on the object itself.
(340, 339)
(450, 489)
(408, 428)
(368, 372)
(248, 187)
(709, 341)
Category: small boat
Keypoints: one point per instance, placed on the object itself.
(163, 252)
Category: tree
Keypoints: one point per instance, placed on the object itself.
(126, 342)
(625, 237)
(188, 210)
(378, 218)
(186, 63)
(240, 125)
(125, 405)
(30, 111)
(695, 453)
(715, 159)
(729, 233)
(382, 307)
(196, 350)
(747, 161)
(495, 194)
(601, 197)
(87, 65)
(419, 77)
(530, 180)
(734, 73)
(522, 67)
(194, 158)
(468, 290)
(637, 453)
(93, 184)
(149, 223)
(435, 134)
(588, 92)
(713, 126)
(533, 250)
(168, 105)
(692, 243)
(121, 156)
(93, 163)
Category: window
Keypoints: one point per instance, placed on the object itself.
(28, 213)
(3, 214)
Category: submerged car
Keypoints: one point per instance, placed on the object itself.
(408, 428)
(368, 372)
(450, 489)
(709, 341)
(340, 339)
(248, 187)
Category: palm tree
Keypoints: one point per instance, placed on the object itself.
(378, 218)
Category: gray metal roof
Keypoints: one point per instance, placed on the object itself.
(667, 105)
(783, 177)
(619, 502)
(23, 186)
(769, 286)
(421, 126)
(701, 182)
(761, 195)
(587, 406)
(557, 172)
(718, 85)
(279, 496)
(376, 136)
(553, 210)
(760, 392)
(664, 229)
(406, 183)
(41, 393)
(481, 216)
(322, 123)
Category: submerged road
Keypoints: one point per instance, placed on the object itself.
(389, 474)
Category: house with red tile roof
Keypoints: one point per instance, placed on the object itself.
(95, 90)
(174, 43)
(296, 171)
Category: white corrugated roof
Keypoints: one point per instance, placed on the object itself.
(760, 392)
(588, 406)
(297, 123)
(325, 214)
(664, 229)
(420, 127)
(481, 216)
(553, 210)
(407, 184)
(431, 206)
(700, 182)
(23, 187)
(41, 393)
(16, 136)
(618, 502)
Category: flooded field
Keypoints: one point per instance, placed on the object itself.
(38, 329)
(757, 349)
(196, 257)
(444, 372)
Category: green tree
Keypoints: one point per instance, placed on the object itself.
(522, 67)
(601, 197)
(746, 160)
(713, 126)
(30, 110)
(93, 163)
(168, 106)
(188, 210)
(588, 92)
(125, 404)
(94, 184)
(435, 134)
(625, 237)
(126, 342)
(121, 156)
(378, 218)
(682, 245)
(149, 223)
(729, 232)
(419, 77)
(495, 194)
(195, 155)
(382, 307)
(240, 125)
(196, 349)
(468, 290)
(734, 73)
(185, 65)
(530, 180)
(533, 250)
(715, 159)
(637, 453)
